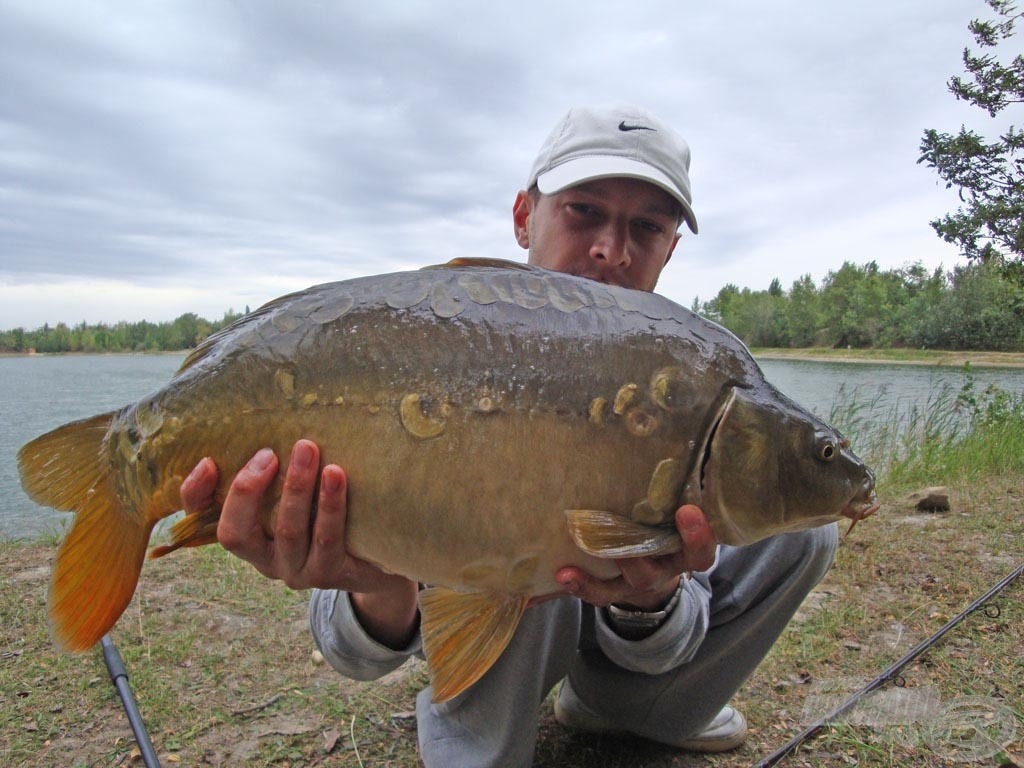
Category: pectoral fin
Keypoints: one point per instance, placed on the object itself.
(603, 534)
(193, 530)
(464, 633)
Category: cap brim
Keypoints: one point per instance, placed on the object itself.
(580, 170)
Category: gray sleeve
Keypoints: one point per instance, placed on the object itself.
(344, 643)
(675, 642)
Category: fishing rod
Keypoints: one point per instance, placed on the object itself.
(119, 677)
(889, 674)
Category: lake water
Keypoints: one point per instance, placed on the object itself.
(43, 392)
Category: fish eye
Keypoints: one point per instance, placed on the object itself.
(826, 449)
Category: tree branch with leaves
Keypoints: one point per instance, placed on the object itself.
(988, 175)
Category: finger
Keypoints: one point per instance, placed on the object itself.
(646, 583)
(698, 539)
(293, 529)
(327, 554)
(589, 589)
(240, 528)
(198, 488)
(329, 565)
(644, 574)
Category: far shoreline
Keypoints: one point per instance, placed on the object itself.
(938, 357)
(98, 353)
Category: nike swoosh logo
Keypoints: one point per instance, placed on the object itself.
(624, 127)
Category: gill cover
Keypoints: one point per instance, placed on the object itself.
(772, 467)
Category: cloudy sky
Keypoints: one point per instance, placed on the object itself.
(166, 157)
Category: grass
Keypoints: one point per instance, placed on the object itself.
(224, 671)
(960, 436)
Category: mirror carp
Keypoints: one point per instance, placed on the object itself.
(496, 422)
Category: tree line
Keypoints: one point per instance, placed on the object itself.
(975, 306)
(184, 332)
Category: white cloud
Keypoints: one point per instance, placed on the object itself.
(159, 159)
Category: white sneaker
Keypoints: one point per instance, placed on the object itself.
(727, 731)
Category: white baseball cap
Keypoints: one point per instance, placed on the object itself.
(603, 142)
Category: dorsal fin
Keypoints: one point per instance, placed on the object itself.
(465, 261)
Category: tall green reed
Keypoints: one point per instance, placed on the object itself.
(956, 436)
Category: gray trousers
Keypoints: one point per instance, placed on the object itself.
(755, 592)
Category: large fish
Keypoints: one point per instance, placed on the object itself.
(496, 422)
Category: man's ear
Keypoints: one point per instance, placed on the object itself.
(673, 248)
(521, 210)
(668, 257)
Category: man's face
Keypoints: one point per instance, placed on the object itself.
(620, 231)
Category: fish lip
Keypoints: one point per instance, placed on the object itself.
(859, 508)
(864, 502)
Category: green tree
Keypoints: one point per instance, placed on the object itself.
(18, 339)
(837, 291)
(861, 303)
(922, 295)
(757, 317)
(980, 311)
(183, 331)
(720, 308)
(762, 319)
(989, 175)
(803, 313)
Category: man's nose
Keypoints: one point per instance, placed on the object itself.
(611, 248)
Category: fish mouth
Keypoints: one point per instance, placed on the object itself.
(865, 501)
(863, 505)
(858, 509)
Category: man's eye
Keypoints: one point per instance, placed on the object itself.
(650, 226)
(584, 209)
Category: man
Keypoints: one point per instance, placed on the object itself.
(654, 652)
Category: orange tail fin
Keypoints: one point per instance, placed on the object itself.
(99, 561)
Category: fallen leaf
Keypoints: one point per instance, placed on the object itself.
(996, 627)
(286, 727)
(246, 750)
(331, 740)
(404, 720)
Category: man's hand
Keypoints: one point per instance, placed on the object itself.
(648, 583)
(306, 549)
